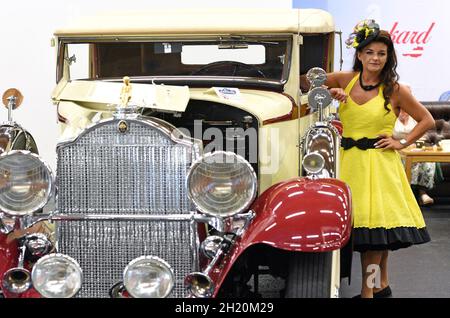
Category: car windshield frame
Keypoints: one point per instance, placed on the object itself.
(192, 80)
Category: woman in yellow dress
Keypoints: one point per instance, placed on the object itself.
(386, 214)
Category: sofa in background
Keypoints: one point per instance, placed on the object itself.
(441, 114)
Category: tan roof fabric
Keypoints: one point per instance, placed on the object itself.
(202, 21)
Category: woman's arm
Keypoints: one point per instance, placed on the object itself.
(408, 103)
(416, 110)
(336, 82)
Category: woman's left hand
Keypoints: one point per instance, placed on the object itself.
(387, 142)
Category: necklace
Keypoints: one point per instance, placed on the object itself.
(367, 87)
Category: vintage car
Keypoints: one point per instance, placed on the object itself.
(190, 162)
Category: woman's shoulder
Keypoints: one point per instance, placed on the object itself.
(400, 91)
(347, 77)
(342, 78)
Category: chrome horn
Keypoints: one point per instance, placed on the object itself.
(200, 284)
(17, 280)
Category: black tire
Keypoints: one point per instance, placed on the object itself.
(309, 275)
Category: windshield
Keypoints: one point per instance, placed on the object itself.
(238, 56)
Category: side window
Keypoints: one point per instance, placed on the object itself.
(78, 59)
(315, 52)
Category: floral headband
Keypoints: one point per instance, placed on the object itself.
(363, 33)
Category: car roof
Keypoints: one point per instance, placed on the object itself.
(201, 21)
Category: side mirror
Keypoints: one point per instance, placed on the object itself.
(12, 99)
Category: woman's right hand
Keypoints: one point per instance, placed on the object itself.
(338, 94)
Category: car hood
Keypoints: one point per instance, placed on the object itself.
(103, 96)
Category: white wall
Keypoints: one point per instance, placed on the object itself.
(27, 61)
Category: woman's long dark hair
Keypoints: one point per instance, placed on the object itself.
(389, 75)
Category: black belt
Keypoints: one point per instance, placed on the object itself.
(363, 143)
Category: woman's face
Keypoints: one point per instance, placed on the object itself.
(374, 57)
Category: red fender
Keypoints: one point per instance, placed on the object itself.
(296, 215)
(9, 254)
(338, 125)
(303, 215)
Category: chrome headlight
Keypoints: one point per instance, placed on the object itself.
(148, 277)
(313, 163)
(57, 276)
(222, 184)
(26, 183)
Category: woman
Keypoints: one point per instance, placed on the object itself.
(422, 173)
(386, 214)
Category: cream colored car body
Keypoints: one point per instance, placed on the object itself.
(83, 103)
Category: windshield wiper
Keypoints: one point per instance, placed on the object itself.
(240, 41)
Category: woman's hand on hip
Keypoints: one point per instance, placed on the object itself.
(387, 142)
(338, 94)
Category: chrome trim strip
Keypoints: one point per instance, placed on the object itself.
(192, 217)
(195, 245)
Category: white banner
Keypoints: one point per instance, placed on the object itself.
(420, 30)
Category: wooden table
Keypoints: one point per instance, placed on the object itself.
(429, 154)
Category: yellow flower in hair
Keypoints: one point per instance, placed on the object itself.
(363, 33)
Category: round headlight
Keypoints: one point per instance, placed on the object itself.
(57, 276)
(313, 163)
(148, 277)
(25, 183)
(221, 184)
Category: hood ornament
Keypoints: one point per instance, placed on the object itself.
(125, 93)
(125, 109)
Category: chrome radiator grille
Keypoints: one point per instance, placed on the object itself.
(141, 171)
(105, 171)
(104, 248)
